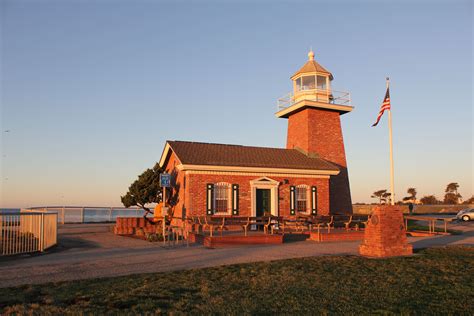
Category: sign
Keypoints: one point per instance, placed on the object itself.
(165, 180)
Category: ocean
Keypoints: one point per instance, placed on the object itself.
(91, 214)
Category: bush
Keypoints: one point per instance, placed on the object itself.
(154, 237)
(140, 232)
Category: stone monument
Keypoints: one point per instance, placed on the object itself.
(385, 234)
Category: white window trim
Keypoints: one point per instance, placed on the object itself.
(308, 198)
(229, 198)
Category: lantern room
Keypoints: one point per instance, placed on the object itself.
(312, 82)
(312, 87)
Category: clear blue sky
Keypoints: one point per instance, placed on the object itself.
(92, 89)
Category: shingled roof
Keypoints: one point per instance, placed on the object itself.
(194, 153)
(312, 66)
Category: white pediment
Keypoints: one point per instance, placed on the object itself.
(264, 180)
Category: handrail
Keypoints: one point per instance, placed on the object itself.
(321, 95)
(431, 222)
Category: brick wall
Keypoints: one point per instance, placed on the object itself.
(385, 234)
(319, 131)
(178, 196)
(195, 192)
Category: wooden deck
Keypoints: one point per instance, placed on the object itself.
(230, 239)
(337, 235)
(235, 239)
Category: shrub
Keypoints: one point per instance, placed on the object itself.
(153, 237)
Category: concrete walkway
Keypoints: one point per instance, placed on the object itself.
(91, 251)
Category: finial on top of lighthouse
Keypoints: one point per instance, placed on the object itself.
(311, 54)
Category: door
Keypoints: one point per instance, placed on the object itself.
(263, 202)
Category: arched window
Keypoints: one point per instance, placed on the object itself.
(302, 199)
(222, 203)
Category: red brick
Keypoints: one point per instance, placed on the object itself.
(188, 195)
(319, 131)
(385, 235)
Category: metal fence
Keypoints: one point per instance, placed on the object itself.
(27, 232)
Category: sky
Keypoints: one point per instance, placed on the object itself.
(91, 90)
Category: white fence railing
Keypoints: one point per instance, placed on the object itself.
(325, 96)
(27, 232)
(89, 214)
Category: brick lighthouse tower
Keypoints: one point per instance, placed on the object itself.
(313, 111)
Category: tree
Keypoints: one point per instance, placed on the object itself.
(469, 200)
(146, 189)
(452, 196)
(429, 199)
(381, 195)
(412, 197)
(387, 198)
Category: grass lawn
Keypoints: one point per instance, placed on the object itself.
(438, 280)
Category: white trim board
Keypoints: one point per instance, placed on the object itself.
(183, 167)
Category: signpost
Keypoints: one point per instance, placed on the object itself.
(165, 182)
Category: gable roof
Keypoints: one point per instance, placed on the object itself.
(312, 66)
(208, 154)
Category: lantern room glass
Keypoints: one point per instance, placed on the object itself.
(322, 82)
(309, 83)
(298, 84)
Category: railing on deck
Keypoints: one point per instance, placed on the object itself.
(27, 232)
(319, 95)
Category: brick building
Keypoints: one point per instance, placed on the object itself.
(308, 177)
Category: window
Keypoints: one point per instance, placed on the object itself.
(222, 198)
(302, 199)
(298, 84)
(321, 82)
(308, 83)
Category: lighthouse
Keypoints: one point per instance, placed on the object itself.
(313, 110)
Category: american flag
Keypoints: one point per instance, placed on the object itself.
(385, 106)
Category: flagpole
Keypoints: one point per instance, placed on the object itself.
(392, 199)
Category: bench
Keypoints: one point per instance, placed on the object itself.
(299, 224)
(273, 222)
(357, 220)
(204, 222)
(192, 224)
(267, 222)
(323, 221)
(177, 230)
(242, 221)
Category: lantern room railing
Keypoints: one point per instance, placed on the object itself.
(318, 95)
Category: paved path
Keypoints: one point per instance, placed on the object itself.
(90, 251)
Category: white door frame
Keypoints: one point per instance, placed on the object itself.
(264, 183)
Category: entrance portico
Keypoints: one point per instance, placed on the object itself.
(261, 198)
